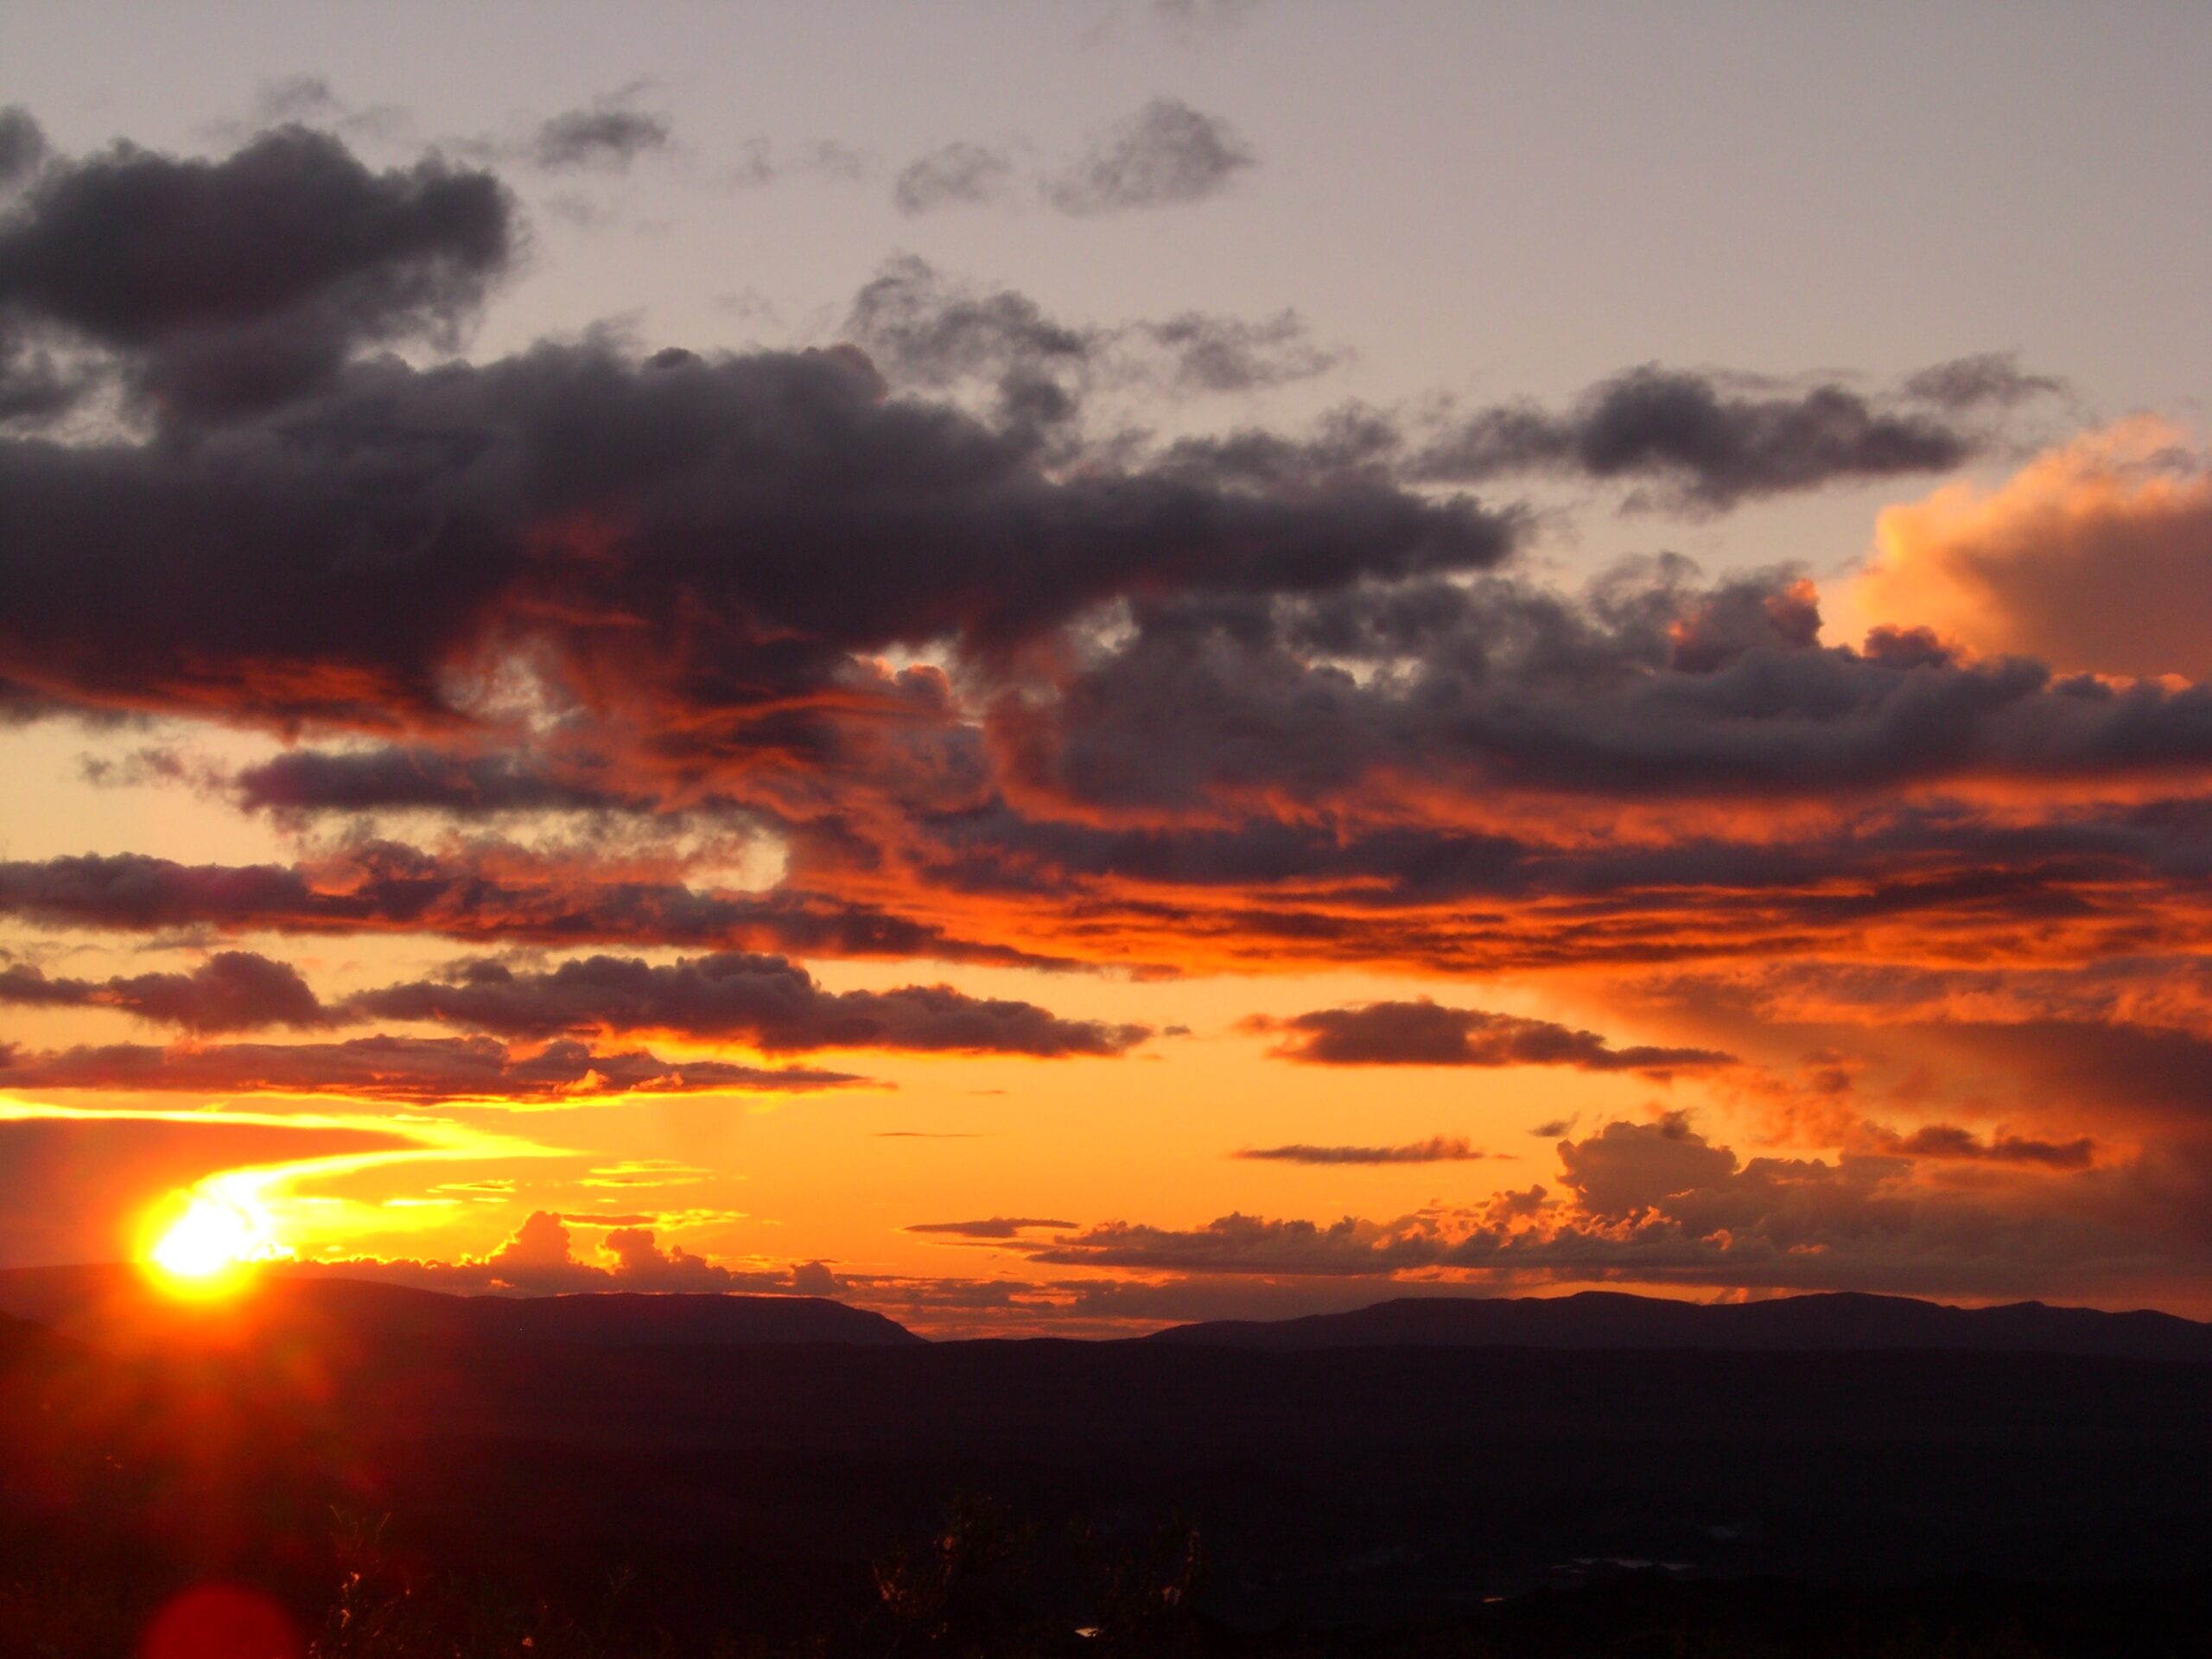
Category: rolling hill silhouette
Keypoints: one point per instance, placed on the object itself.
(1841, 1321)
(1406, 1460)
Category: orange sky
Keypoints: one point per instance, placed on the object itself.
(1031, 820)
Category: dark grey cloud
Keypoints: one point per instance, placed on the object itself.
(958, 175)
(996, 1227)
(233, 990)
(770, 516)
(1219, 353)
(224, 285)
(1427, 1033)
(925, 330)
(768, 1002)
(1437, 1149)
(420, 777)
(1164, 155)
(1700, 444)
(1648, 685)
(1942, 1141)
(1990, 379)
(23, 148)
(499, 894)
(423, 1069)
(609, 136)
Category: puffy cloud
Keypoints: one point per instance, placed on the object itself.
(226, 284)
(1425, 1033)
(423, 1069)
(768, 1002)
(233, 990)
(1164, 154)
(540, 1258)
(2096, 555)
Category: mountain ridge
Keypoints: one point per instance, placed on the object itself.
(1817, 1322)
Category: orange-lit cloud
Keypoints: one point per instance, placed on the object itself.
(2097, 555)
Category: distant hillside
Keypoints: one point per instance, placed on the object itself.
(1838, 1322)
(114, 1306)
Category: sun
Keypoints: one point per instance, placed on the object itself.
(206, 1250)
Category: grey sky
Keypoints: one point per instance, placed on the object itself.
(1491, 201)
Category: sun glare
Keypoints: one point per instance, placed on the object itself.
(207, 1247)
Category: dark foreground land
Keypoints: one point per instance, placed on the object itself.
(404, 1474)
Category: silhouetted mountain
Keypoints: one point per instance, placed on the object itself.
(752, 1485)
(1815, 1323)
(114, 1307)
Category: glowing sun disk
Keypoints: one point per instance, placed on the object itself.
(211, 1240)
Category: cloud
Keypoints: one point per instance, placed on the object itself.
(408, 532)
(1166, 155)
(958, 175)
(924, 328)
(23, 148)
(1942, 1140)
(540, 1259)
(1216, 353)
(996, 1227)
(608, 135)
(1708, 445)
(1986, 378)
(2095, 556)
(1425, 1033)
(418, 1069)
(769, 1003)
(233, 990)
(1657, 1203)
(1437, 1149)
(490, 891)
(927, 330)
(227, 285)
(1647, 684)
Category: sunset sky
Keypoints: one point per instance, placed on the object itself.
(1058, 666)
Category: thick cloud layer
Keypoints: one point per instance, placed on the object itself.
(970, 637)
